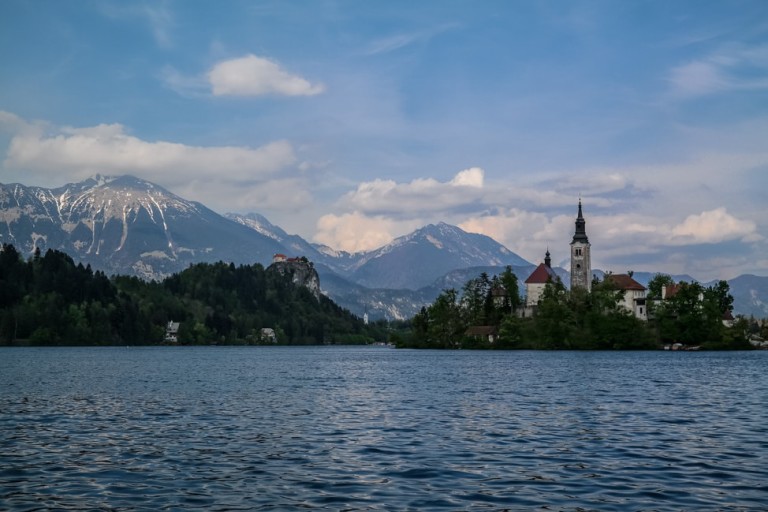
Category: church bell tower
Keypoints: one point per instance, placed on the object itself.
(581, 264)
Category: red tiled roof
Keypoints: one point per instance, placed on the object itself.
(624, 282)
(541, 275)
(671, 290)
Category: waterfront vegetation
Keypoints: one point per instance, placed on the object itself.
(49, 300)
(479, 316)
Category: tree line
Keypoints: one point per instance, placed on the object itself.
(47, 299)
(575, 319)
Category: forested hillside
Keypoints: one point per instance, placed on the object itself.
(49, 300)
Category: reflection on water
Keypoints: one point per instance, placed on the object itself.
(379, 429)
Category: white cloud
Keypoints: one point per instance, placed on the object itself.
(651, 231)
(355, 231)
(11, 123)
(526, 233)
(273, 195)
(107, 148)
(419, 195)
(730, 68)
(697, 78)
(712, 226)
(469, 178)
(397, 41)
(224, 178)
(257, 76)
(626, 236)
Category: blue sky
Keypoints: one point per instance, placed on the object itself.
(351, 123)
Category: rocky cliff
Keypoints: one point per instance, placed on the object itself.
(302, 273)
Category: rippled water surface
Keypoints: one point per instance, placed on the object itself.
(380, 429)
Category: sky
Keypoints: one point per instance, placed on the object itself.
(352, 123)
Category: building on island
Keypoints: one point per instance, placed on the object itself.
(484, 333)
(634, 294)
(536, 282)
(581, 261)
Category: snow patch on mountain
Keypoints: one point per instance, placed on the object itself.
(434, 241)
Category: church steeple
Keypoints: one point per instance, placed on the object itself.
(581, 228)
(581, 261)
(547, 259)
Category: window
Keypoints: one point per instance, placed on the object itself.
(577, 251)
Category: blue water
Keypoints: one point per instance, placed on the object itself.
(271, 428)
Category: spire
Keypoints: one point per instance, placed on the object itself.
(547, 259)
(581, 228)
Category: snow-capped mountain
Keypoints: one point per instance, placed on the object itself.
(416, 260)
(125, 225)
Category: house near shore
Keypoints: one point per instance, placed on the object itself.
(634, 294)
(268, 335)
(487, 333)
(172, 332)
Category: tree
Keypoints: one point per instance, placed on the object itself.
(474, 298)
(657, 283)
(446, 324)
(554, 319)
(512, 288)
(721, 296)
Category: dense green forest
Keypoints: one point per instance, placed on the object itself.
(47, 299)
(577, 319)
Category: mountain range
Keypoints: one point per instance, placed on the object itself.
(125, 225)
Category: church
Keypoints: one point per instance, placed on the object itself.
(581, 267)
(581, 275)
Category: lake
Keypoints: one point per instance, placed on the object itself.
(364, 428)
